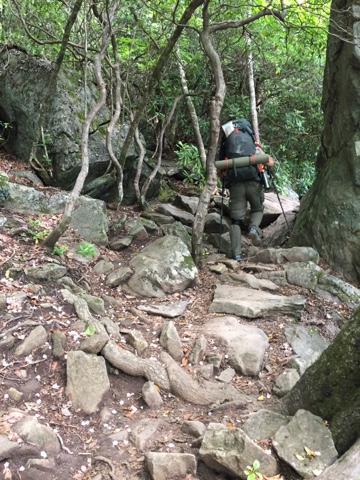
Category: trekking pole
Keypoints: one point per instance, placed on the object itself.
(221, 212)
(271, 176)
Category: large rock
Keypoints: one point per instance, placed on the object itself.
(306, 444)
(89, 218)
(87, 380)
(230, 450)
(245, 344)
(251, 304)
(162, 267)
(23, 81)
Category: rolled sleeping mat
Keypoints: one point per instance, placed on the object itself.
(242, 161)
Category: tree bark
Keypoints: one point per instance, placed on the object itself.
(329, 217)
(215, 111)
(155, 76)
(193, 115)
(330, 388)
(64, 223)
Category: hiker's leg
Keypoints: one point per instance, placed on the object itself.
(256, 197)
(237, 207)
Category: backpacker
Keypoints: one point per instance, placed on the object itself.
(239, 141)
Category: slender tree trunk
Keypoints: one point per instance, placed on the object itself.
(64, 223)
(151, 177)
(155, 76)
(215, 111)
(254, 116)
(193, 114)
(330, 387)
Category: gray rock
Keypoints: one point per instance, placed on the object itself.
(198, 350)
(102, 267)
(40, 435)
(15, 394)
(58, 341)
(46, 272)
(226, 375)
(185, 218)
(87, 380)
(120, 243)
(151, 395)
(94, 343)
(264, 424)
(285, 382)
(163, 466)
(6, 342)
(96, 304)
(170, 341)
(305, 430)
(241, 301)
(143, 432)
(214, 223)
(189, 204)
(36, 338)
(178, 230)
(118, 276)
(136, 340)
(306, 343)
(111, 327)
(284, 255)
(7, 448)
(249, 280)
(170, 310)
(245, 344)
(134, 228)
(346, 467)
(229, 450)
(194, 427)
(162, 267)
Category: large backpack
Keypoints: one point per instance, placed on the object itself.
(240, 143)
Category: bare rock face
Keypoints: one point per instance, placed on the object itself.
(23, 81)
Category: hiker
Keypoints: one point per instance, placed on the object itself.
(245, 184)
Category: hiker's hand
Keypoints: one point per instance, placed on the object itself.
(271, 162)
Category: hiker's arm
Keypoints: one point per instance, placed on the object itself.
(271, 162)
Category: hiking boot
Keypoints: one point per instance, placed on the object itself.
(255, 237)
(237, 257)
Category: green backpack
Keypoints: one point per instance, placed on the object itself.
(239, 143)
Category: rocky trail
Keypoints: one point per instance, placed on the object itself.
(99, 382)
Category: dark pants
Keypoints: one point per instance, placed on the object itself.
(240, 194)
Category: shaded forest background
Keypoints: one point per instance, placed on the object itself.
(288, 62)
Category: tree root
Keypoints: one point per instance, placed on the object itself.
(183, 385)
(136, 366)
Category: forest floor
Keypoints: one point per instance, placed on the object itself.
(43, 381)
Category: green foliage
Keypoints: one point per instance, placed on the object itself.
(86, 249)
(90, 330)
(190, 164)
(4, 131)
(252, 471)
(36, 231)
(59, 249)
(298, 175)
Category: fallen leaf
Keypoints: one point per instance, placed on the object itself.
(184, 362)
(261, 398)
(299, 457)
(54, 365)
(317, 472)
(230, 425)
(309, 452)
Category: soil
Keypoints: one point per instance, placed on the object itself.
(43, 380)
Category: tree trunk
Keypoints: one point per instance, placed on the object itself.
(330, 388)
(64, 223)
(215, 111)
(193, 115)
(329, 217)
(254, 116)
(155, 76)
